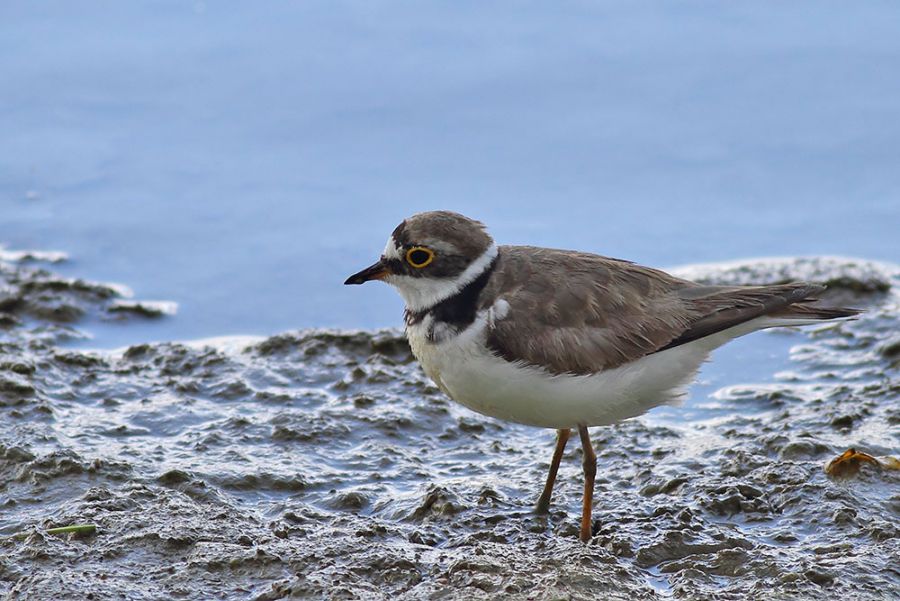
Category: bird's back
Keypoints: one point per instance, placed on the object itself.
(571, 312)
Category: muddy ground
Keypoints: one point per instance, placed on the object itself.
(325, 465)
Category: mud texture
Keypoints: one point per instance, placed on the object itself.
(324, 465)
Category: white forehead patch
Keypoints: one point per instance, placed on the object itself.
(391, 250)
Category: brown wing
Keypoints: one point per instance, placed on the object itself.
(578, 313)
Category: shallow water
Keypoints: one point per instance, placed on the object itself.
(323, 464)
(243, 160)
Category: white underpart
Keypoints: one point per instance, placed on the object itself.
(423, 293)
(467, 371)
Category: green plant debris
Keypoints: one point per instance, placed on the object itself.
(79, 529)
(74, 529)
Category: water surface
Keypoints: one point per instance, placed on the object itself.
(243, 160)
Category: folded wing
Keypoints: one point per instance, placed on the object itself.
(577, 313)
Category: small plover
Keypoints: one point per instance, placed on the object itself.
(564, 339)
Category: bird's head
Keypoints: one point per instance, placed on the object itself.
(431, 256)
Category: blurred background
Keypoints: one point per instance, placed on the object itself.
(242, 159)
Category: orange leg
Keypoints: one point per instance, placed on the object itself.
(543, 504)
(589, 463)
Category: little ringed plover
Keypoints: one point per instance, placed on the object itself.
(564, 339)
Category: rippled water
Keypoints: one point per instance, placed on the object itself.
(323, 464)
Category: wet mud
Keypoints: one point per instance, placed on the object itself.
(325, 465)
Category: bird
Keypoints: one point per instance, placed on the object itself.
(564, 339)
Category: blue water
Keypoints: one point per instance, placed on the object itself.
(242, 159)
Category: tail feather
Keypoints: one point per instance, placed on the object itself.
(802, 310)
(720, 308)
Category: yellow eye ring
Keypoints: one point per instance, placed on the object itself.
(419, 256)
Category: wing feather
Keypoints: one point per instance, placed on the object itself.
(578, 313)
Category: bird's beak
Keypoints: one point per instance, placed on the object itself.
(378, 271)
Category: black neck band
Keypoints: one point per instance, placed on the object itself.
(458, 310)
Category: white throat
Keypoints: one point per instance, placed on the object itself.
(423, 293)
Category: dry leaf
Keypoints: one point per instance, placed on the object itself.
(848, 463)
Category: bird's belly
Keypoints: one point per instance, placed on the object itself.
(476, 378)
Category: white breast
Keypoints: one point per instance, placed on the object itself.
(467, 371)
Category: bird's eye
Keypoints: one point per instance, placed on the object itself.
(419, 256)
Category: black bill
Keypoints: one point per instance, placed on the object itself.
(373, 272)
